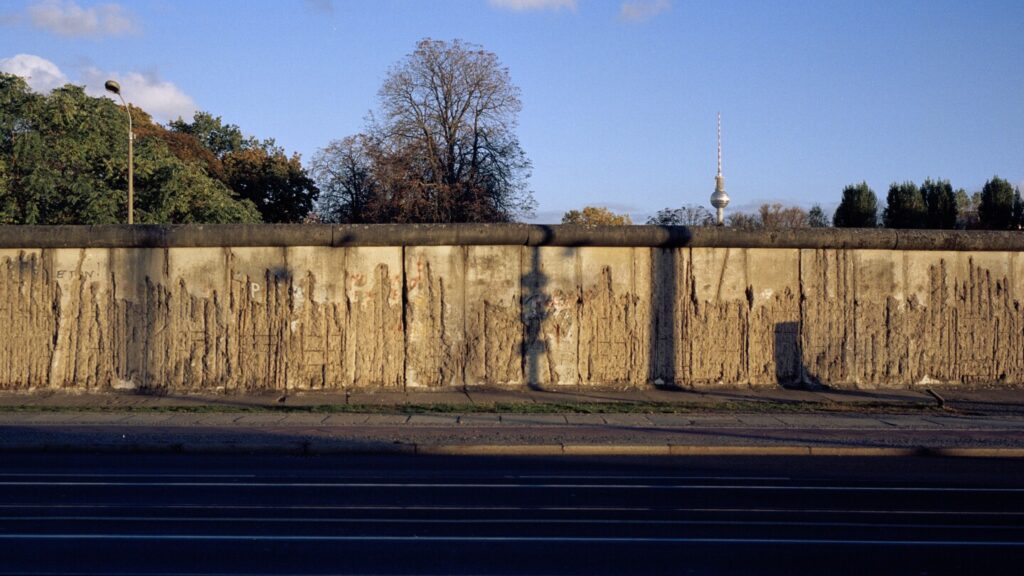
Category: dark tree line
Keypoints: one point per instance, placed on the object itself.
(934, 205)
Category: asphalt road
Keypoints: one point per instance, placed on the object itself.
(194, 514)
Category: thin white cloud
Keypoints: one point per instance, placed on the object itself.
(643, 10)
(41, 74)
(66, 18)
(162, 99)
(524, 5)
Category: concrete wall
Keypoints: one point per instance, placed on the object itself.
(234, 308)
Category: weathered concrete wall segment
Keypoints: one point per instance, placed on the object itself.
(312, 317)
(349, 235)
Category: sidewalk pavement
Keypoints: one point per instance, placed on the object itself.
(835, 399)
(726, 421)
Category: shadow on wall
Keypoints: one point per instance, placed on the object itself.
(790, 371)
(136, 299)
(664, 322)
(664, 333)
(535, 304)
(664, 328)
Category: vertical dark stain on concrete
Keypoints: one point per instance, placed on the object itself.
(94, 319)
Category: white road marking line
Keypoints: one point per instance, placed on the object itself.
(361, 521)
(511, 508)
(367, 507)
(648, 477)
(847, 511)
(73, 475)
(755, 487)
(496, 539)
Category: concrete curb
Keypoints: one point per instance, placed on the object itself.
(726, 450)
(547, 450)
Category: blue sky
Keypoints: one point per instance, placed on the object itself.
(619, 97)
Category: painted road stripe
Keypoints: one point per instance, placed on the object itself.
(510, 539)
(86, 475)
(350, 507)
(453, 521)
(515, 486)
(647, 477)
(371, 476)
(996, 513)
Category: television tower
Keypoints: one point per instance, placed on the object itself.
(720, 199)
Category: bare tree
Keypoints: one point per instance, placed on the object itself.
(744, 221)
(687, 215)
(348, 187)
(776, 215)
(441, 148)
(771, 216)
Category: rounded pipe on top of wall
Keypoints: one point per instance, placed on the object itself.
(213, 235)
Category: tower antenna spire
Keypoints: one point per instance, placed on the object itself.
(719, 143)
(720, 199)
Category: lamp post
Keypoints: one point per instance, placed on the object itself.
(114, 87)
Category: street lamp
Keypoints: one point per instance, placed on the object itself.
(114, 87)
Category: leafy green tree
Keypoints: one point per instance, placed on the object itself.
(816, 217)
(219, 138)
(858, 208)
(941, 204)
(967, 209)
(15, 101)
(995, 212)
(63, 160)
(67, 158)
(1018, 210)
(185, 147)
(7, 206)
(186, 195)
(905, 207)
(277, 184)
(257, 171)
